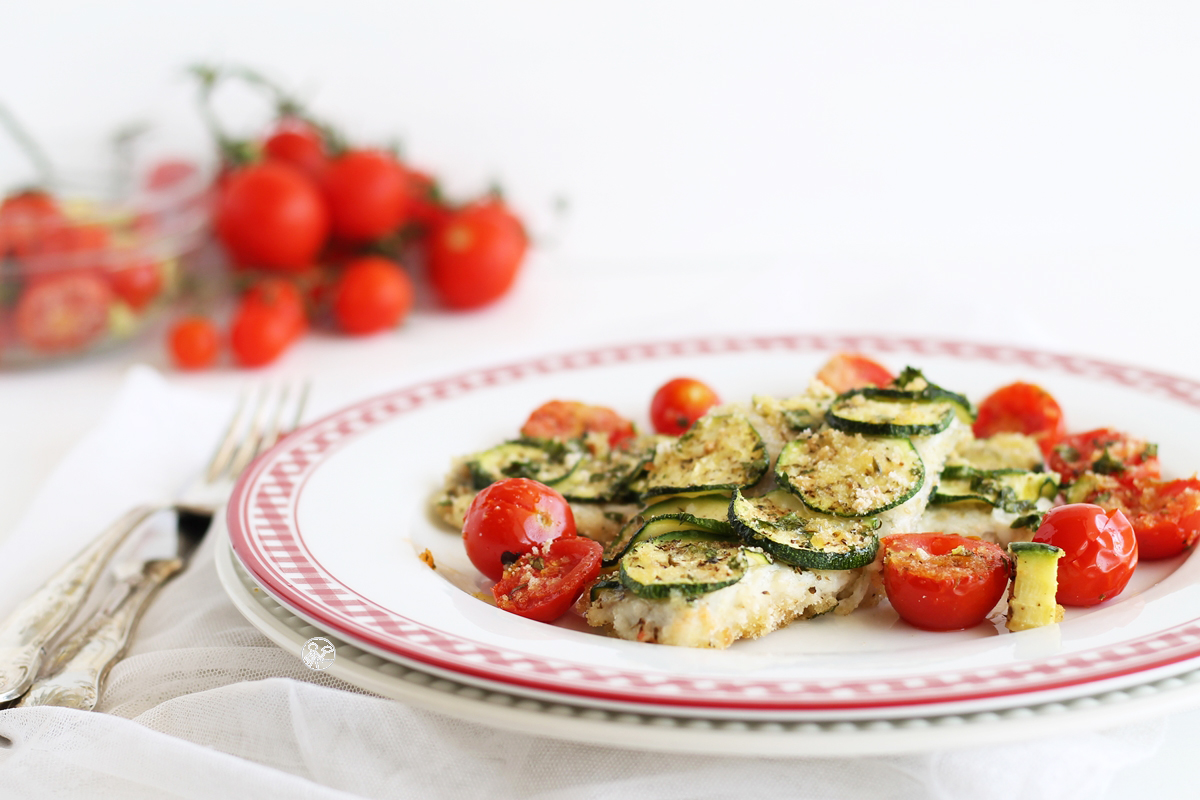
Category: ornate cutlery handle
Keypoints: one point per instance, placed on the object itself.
(41, 616)
(79, 668)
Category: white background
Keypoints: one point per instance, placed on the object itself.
(1012, 172)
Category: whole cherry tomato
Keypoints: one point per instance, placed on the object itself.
(846, 371)
(545, 582)
(282, 297)
(1100, 552)
(1105, 451)
(297, 143)
(267, 320)
(680, 402)
(570, 419)
(63, 312)
(26, 218)
(943, 582)
(474, 255)
(508, 518)
(427, 208)
(1021, 408)
(194, 342)
(368, 194)
(271, 215)
(371, 294)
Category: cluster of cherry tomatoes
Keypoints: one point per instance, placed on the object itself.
(342, 225)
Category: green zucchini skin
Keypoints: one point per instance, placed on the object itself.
(1012, 490)
(889, 412)
(780, 523)
(686, 563)
(849, 475)
(720, 452)
(705, 512)
(602, 479)
(542, 460)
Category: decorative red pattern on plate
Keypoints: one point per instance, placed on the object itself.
(261, 521)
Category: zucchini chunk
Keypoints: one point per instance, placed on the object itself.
(850, 475)
(688, 563)
(1012, 490)
(719, 452)
(705, 512)
(544, 460)
(784, 527)
(1031, 601)
(887, 412)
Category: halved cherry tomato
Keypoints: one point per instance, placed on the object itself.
(137, 284)
(368, 194)
(1165, 514)
(846, 371)
(194, 343)
(570, 419)
(475, 253)
(26, 218)
(943, 582)
(1106, 451)
(168, 173)
(543, 583)
(296, 142)
(371, 294)
(1100, 552)
(680, 402)
(271, 215)
(508, 518)
(1021, 408)
(63, 312)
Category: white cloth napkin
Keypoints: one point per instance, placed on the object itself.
(206, 706)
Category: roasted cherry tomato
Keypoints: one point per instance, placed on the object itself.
(368, 195)
(474, 255)
(570, 419)
(1100, 552)
(194, 342)
(508, 518)
(296, 142)
(543, 583)
(1165, 514)
(846, 371)
(1021, 408)
(138, 284)
(26, 218)
(680, 402)
(271, 215)
(943, 582)
(371, 294)
(63, 312)
(1107, 452)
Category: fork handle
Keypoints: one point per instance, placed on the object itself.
(43, 615)
(80, 667)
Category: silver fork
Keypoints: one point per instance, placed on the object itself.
(76, 673)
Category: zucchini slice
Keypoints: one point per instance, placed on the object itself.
(889, 412)
(913, 382)
(544, 460)
(783, 526)
(705, 512)
(600, 479)
(687, 563)
(1012, 490)
(850, 475)
(719, 452)
(1031, 601)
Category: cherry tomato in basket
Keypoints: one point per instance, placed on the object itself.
(194, 342)
(1126, 458)
(1100, 552)
(368, 195)
(63, 312)
(475, 254)
(26, 218)
(570, 419)
(371, 294)
(680, 402)
(70, 247)
(296, 142)
(137, 284)
(545, 582)
(846, 371)
(271, 215)
(1165, 514)
(1021, 408)
(943, 582)
(508, 518)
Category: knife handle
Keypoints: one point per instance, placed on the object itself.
(77, 672)
(43, 615)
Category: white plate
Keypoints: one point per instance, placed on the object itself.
(690, 734)
(331, 521)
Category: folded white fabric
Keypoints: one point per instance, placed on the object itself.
(206, 706)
